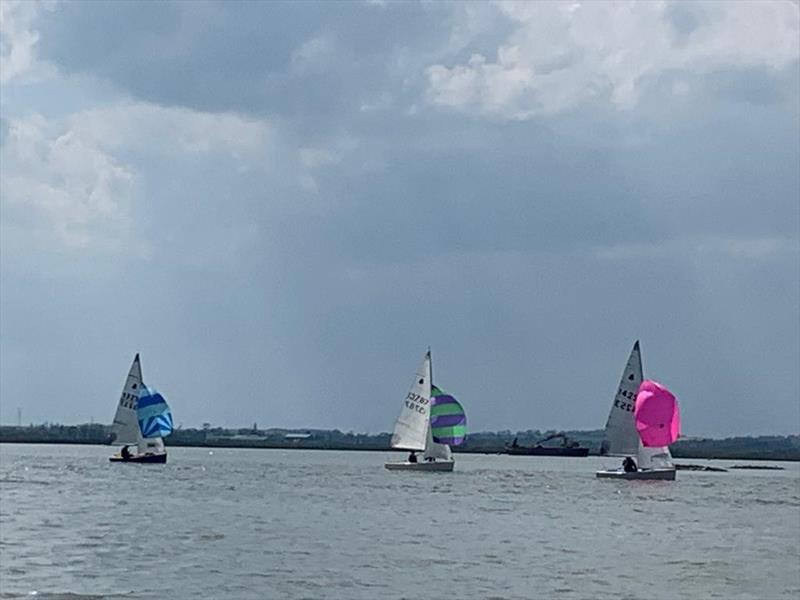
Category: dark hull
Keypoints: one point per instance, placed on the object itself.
(438, 466)
(542, 451)
(141, 458)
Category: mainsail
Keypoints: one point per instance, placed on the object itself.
(622, 438)
(125, 427)
(411, 429)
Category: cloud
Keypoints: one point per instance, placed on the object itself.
(63, 184)
(289, 58)
(86, 183)
(141, 180)
(174, 131)
(302, 193)
(18, 38)
(559, 56)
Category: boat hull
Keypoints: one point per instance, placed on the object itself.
(439, 466)
(542, 451)
(645, 475)
(141, 458)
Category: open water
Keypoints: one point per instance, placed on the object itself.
(309, 524)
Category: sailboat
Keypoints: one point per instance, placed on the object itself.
(142, 419)
(623, 436)
(430, 422)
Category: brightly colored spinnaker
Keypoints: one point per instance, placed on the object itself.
(623, 436)
(430, 421)
(448, 421)
(155, 418)
(142, 418)
(658, 419)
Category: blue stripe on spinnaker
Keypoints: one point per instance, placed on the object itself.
(153, 414)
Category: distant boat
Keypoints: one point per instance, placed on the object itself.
(628, 436)
(568, 447)
(430, 422)
(143, 419)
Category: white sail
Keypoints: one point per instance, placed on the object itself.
(411, 428)
(126, 425)
(654, 458)
(622, 438)
(152, 445)
(434, 450)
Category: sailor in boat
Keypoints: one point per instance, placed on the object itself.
(125, 453)
(629, 465)
(412, 458)
(430, 459)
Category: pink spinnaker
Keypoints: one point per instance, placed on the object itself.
(658, 419)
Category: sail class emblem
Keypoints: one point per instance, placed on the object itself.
(630, 377)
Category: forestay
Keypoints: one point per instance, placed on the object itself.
(411, 427)
(622, 438)
(126, 426)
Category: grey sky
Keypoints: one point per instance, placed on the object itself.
(282, 205)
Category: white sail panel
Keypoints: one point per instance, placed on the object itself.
(152, 445)
(411, 427)
(622, 438)
(126, 425)
(434, 450)
(654, 458)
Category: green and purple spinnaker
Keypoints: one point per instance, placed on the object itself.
(448, 421)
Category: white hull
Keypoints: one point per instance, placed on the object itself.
(444, 466)
(645, 475)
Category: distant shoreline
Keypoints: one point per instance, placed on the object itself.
(763, 448)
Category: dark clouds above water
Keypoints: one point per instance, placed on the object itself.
(297, 213)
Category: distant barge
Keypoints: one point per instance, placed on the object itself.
(568, 447)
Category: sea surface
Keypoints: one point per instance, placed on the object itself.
(230, 523)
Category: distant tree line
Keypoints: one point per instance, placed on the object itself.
(763, 447)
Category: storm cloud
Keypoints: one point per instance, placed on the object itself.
(281, 205)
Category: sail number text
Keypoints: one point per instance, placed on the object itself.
(628, 406)
(416, 402)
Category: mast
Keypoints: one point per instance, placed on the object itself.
(430, 367)
(430, 388)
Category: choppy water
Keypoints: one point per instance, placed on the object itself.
(309, 524)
